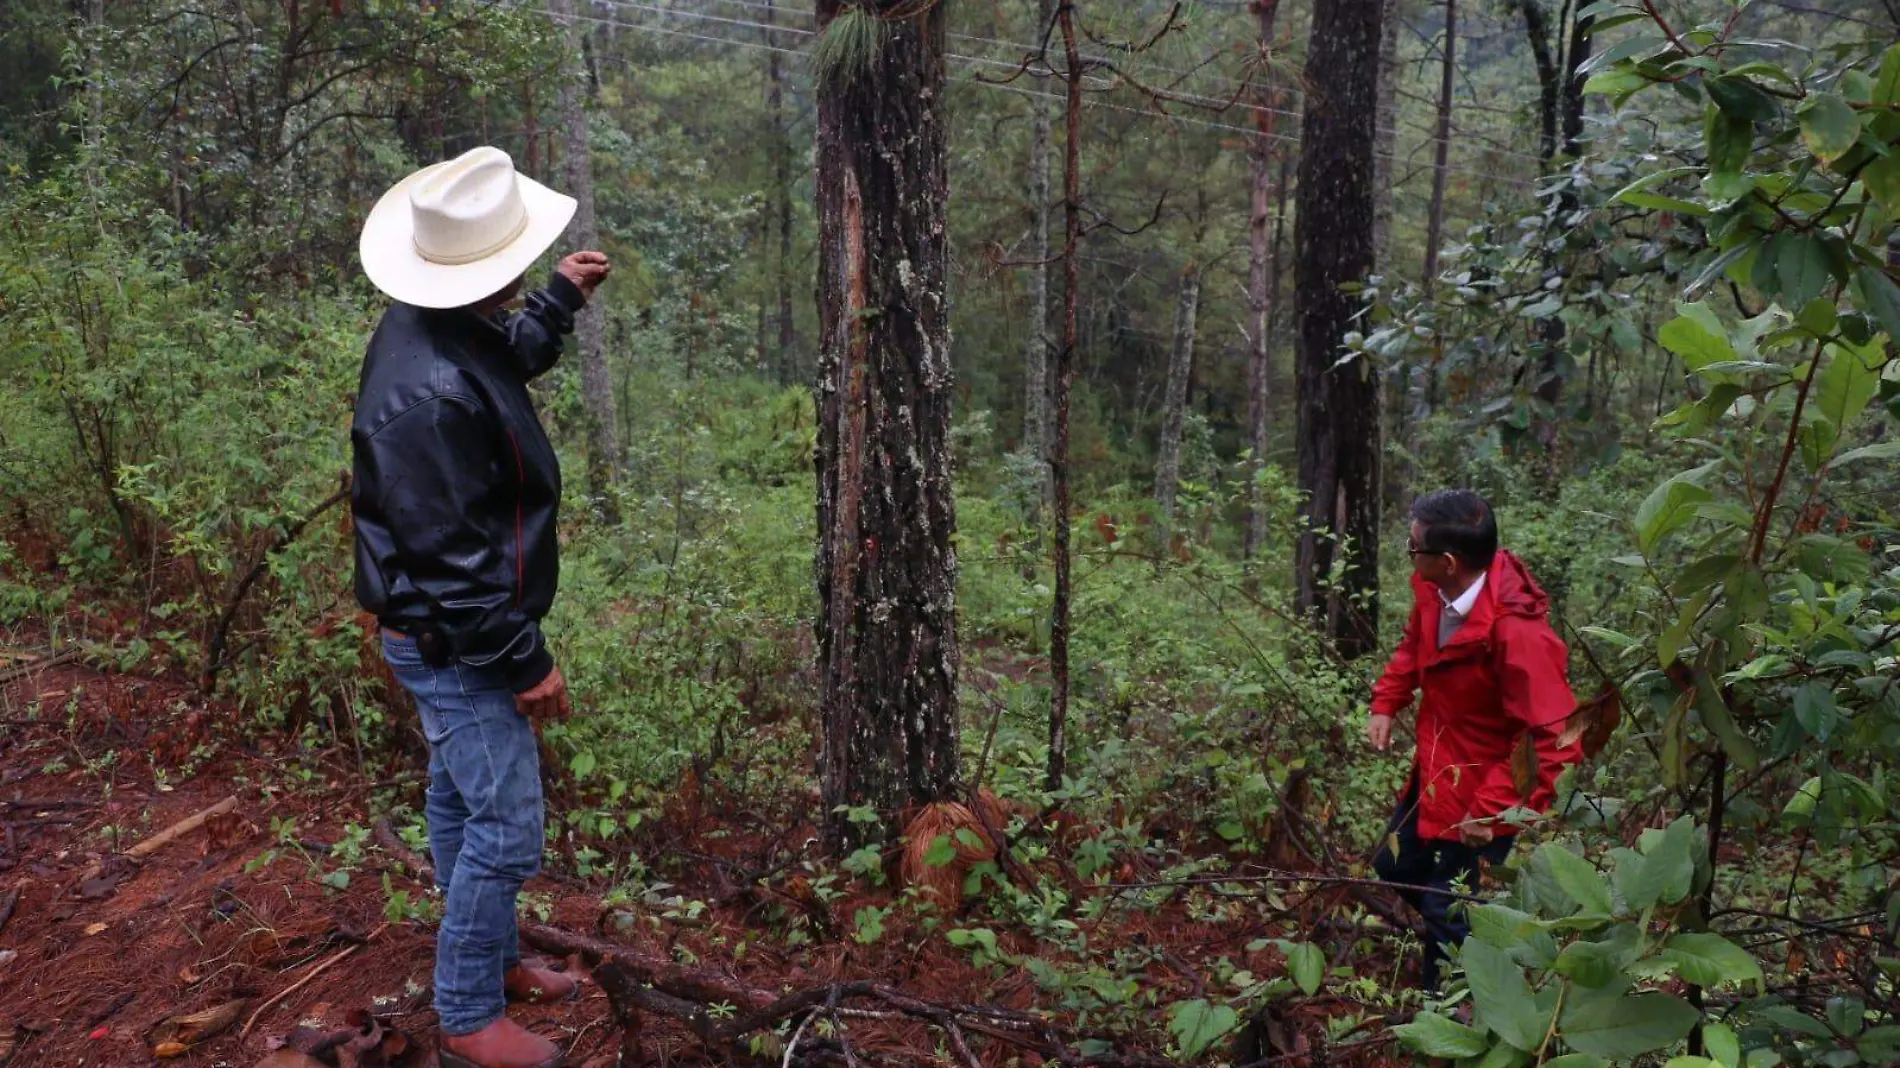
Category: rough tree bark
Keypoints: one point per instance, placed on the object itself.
(1174, 408)
(590, 326)
(1036, 347)
(782, 194)
(1072, 73)
(1386, 140)
(1261, 277)
(886, 569)
(1435, 217)
(1338, 402)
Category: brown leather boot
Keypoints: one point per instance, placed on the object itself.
(537, 986)
(502, 1044)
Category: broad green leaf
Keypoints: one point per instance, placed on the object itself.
(1307, 965)
(1501, 925)
(1886, 450)
(1878, 296)
(1690, 1062)
(1634, 45)
(1720, 720)
(1197, 1025)
(1671, 853)
(1730, 137)
(1576, 1060)
(1629, 1026)
(1724, 1048)
(1841, 391)
(1887, 85)
(1591, 964)
(1578, 877)
(1815, 710)
(1659, 202)
(940, 852)
(1710, 960)
(1829, 126)
(1670, 505)
(1742, 98)
(1880, 1045)
(1819, 316)
(1619, 82)
(1436, 1036)
(1801, 267)
(1504, 999)
(1882, 179)
(1695, 343)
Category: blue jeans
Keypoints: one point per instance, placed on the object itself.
(485, 827)
(1423, 865)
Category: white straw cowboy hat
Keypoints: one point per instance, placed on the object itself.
(451, 234)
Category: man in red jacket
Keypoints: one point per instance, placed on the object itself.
(1480, 649)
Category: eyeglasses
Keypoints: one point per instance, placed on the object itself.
(1412, 549)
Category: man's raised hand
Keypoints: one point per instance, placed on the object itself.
(587, 270)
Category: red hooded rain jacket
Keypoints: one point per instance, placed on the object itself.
(1504, 672)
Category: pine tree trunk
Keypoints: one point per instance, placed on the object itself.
(1385, 144)
(782, 198)
(1059, 393)
(590, 326)
(1260, 282)
(886, 569)
(1338, 403)
(1435, 217)
(1036, 347)
(1174, 410)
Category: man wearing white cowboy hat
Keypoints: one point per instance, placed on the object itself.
(456, 489)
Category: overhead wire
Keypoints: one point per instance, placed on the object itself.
(1152, 113)
(1217, 104)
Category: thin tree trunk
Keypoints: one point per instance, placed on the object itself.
(886, 569)
(1338, 402)
(1441, 147)
(1064, 377)
(1036, 348)
(1441, 164)
(782, 197)
(1384, 157)
(1174, 409)
(590, 326)
(1537, 31)
(1262, 279)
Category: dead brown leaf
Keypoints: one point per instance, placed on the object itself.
(187, 1031)
(1594, 721)
(1524, 765)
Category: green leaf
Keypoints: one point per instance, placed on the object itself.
(1695, 343)
(1709, 960)
(1578, 877)
(1672, 854)
(1591, 964)
(582, 764)
(1576, 1060)
(1638, 879)
(1878, 296)
(1619, 82)
(1802, 269)
(1659, 202)
(1886, 450)
(1815, 710)
(1436, 1036)
(1887, 85)
(1307, 964)
(1197, 1025)
(1720, 721)
(1841, 391)
(1724, 1048)
(1882, 179)
(1669, 506)
(1880, 1045)
(1503, 997)
(1730, 138)
(1626, 1027)
(940, 852)
(1742, 98)
(1829, 126)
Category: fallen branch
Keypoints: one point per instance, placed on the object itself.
(321, 967)
(19, 671)
(167, 836)
(407, 859)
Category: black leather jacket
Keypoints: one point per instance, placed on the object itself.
(456, 485)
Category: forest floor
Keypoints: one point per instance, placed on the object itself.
(277, 922)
